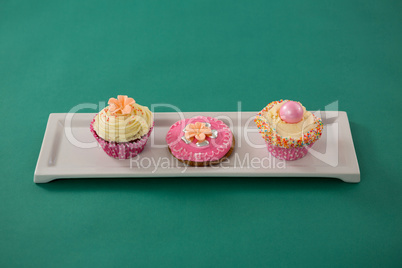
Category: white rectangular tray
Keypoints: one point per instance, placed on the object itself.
(70, 151)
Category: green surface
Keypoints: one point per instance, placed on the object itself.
(202, 56)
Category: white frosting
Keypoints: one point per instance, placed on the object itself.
(123, 128)
(284, 129)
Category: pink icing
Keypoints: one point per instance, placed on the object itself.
(217, 148)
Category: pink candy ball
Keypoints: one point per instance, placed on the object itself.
(291, 112)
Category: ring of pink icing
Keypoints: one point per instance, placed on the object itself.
(218, 147)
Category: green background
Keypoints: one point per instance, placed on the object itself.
(201, 56)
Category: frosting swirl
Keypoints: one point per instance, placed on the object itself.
(123, 127)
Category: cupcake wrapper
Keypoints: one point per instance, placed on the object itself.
(122, 150)
(288, 154)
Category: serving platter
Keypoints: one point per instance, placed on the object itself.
(69, 151)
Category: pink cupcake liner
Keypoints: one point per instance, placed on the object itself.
(121, 150)
(288, 154)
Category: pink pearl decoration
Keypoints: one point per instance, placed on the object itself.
(291, 112)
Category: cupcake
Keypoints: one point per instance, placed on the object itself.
(200, 141)
(122, 129)
(288, 129)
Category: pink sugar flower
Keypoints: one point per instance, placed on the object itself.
(121, 106)
(198, 130)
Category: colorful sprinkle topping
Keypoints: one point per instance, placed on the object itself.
(272, 137)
